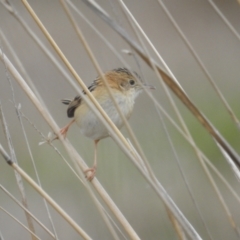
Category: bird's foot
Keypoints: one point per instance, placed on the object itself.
(90, 173)
(63, 131)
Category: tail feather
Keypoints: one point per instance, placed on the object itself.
(66, 101)
(72, 105)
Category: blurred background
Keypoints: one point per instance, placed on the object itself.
(219, 50)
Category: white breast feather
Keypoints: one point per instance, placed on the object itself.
(90, 125)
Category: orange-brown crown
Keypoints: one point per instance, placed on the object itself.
(120, 79)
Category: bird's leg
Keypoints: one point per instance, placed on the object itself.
(90, 172)
(63, 131)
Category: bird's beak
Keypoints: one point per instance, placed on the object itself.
(149, 86)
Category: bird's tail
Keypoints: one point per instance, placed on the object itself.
(66, 101)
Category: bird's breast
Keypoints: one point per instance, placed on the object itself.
(92, 127)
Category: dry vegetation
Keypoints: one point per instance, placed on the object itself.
(172, 172)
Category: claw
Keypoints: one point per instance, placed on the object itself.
(64, 130)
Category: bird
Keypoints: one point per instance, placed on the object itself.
(125, 86)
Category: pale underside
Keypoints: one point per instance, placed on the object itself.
(89, 124)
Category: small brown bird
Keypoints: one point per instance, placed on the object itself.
(125, 88)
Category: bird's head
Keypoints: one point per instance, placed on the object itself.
(127, 82)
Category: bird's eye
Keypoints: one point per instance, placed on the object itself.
(132, 82)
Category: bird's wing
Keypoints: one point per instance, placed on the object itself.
(76, 102)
